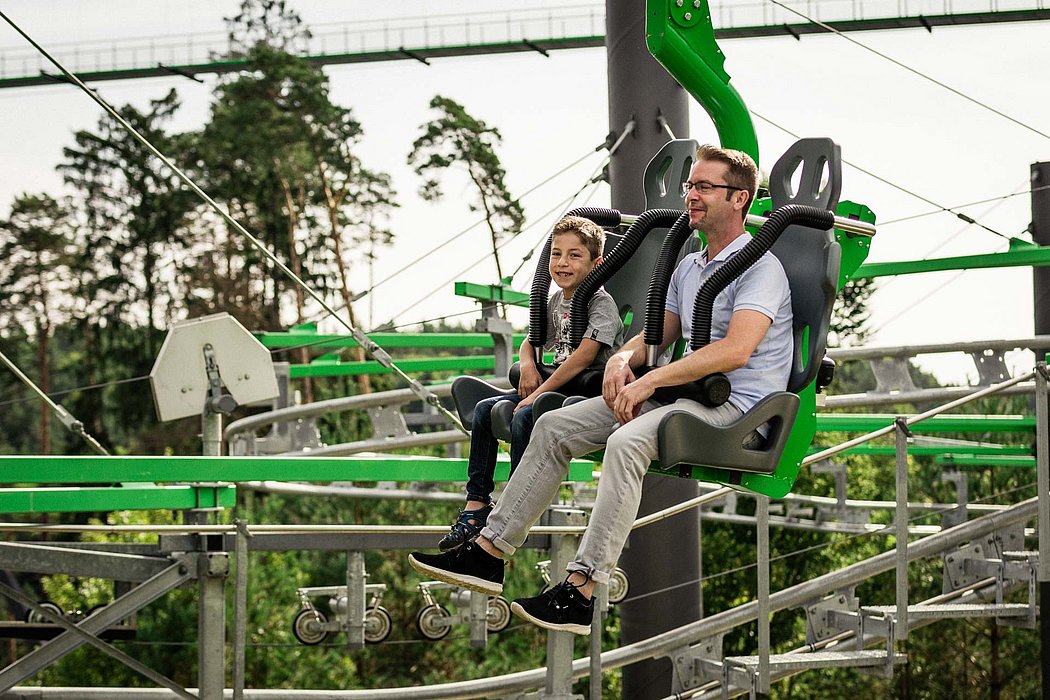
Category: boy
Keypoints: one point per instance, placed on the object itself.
(576, 249)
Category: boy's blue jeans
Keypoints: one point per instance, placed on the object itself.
(482, 463)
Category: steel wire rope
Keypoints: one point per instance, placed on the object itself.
(67, 419)
(886, 529)
(916, 71)
(374, 350)
(628, 129)
(64, 392)
(883, 285)
(361, 295)
(894, 185)
(884, 224)
(424, 256)
(388, 326)
(561, 206)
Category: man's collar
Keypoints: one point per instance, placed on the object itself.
(734, 246)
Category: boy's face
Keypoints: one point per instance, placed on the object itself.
(570, 261)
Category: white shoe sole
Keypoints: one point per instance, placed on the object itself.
(563, 627)
(472, 583)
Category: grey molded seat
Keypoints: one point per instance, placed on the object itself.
(811, 261)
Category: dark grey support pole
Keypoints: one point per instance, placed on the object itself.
(668, 553)
(1041, 235)
(1041, 294)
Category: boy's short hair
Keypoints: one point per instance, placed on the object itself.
(590, 234)
(741, 169)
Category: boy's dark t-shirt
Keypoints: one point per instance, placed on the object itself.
(603, 326)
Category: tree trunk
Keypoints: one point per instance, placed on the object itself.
(43, 331)
(297, 268)
(995, 681)
(364, 382)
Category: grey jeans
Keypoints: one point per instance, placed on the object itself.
(574, 431)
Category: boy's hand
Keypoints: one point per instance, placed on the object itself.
(529, 381)
(527, 401)
(618, 374)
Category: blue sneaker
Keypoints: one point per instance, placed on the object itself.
(468, 566)
(561, 608)
(466, 528)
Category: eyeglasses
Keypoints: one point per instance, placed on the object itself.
(705, 187)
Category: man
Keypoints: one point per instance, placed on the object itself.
(751, 343)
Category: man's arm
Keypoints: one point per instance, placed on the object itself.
(631, 355)
(746, 330)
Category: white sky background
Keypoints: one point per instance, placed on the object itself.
(552, 111)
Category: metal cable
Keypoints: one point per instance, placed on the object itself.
(916, 71)
(72, 424)
(370, 347)
(894, 185)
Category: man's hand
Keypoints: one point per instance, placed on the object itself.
(617, 375)
(629, 400)
(529, 380)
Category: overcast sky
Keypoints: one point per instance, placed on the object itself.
(552, 111)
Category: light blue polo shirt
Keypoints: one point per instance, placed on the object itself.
(764, 288)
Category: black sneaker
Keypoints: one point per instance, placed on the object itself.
(466, 528)
(561, 608)
(469, 566)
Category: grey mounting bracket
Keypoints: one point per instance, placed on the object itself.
(696, 664)
(839, 512)
(991, 367)
(957, 515)
(891, 375)
(218, 400)
(832, 615)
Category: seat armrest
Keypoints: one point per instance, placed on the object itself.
(467, 391)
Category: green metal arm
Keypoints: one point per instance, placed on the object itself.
(682, 38)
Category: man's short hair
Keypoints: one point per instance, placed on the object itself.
(590, 234)
(741, 169)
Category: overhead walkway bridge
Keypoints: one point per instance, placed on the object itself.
(540, 30)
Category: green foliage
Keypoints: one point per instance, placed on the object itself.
(456, 138)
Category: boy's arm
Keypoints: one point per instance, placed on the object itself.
(580, 359)
(530, 376)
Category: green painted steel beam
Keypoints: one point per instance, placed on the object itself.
(681, 37)
(1026, 462)
(38, 469)
(492, 292)
(88, 499)
(1020, 254)
(295, 339)
(328, 368)
(866, 422)
(923, 450)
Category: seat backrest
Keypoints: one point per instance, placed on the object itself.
(810, 172)
(662, 181)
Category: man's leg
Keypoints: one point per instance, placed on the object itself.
(567, 606)
(557, 437)
(627, 456)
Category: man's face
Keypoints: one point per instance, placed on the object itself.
(570, 261)
(711, 211)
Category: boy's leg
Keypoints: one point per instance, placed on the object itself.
(520, 432)
(627, 456)
(481, 464)
(557, 437)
